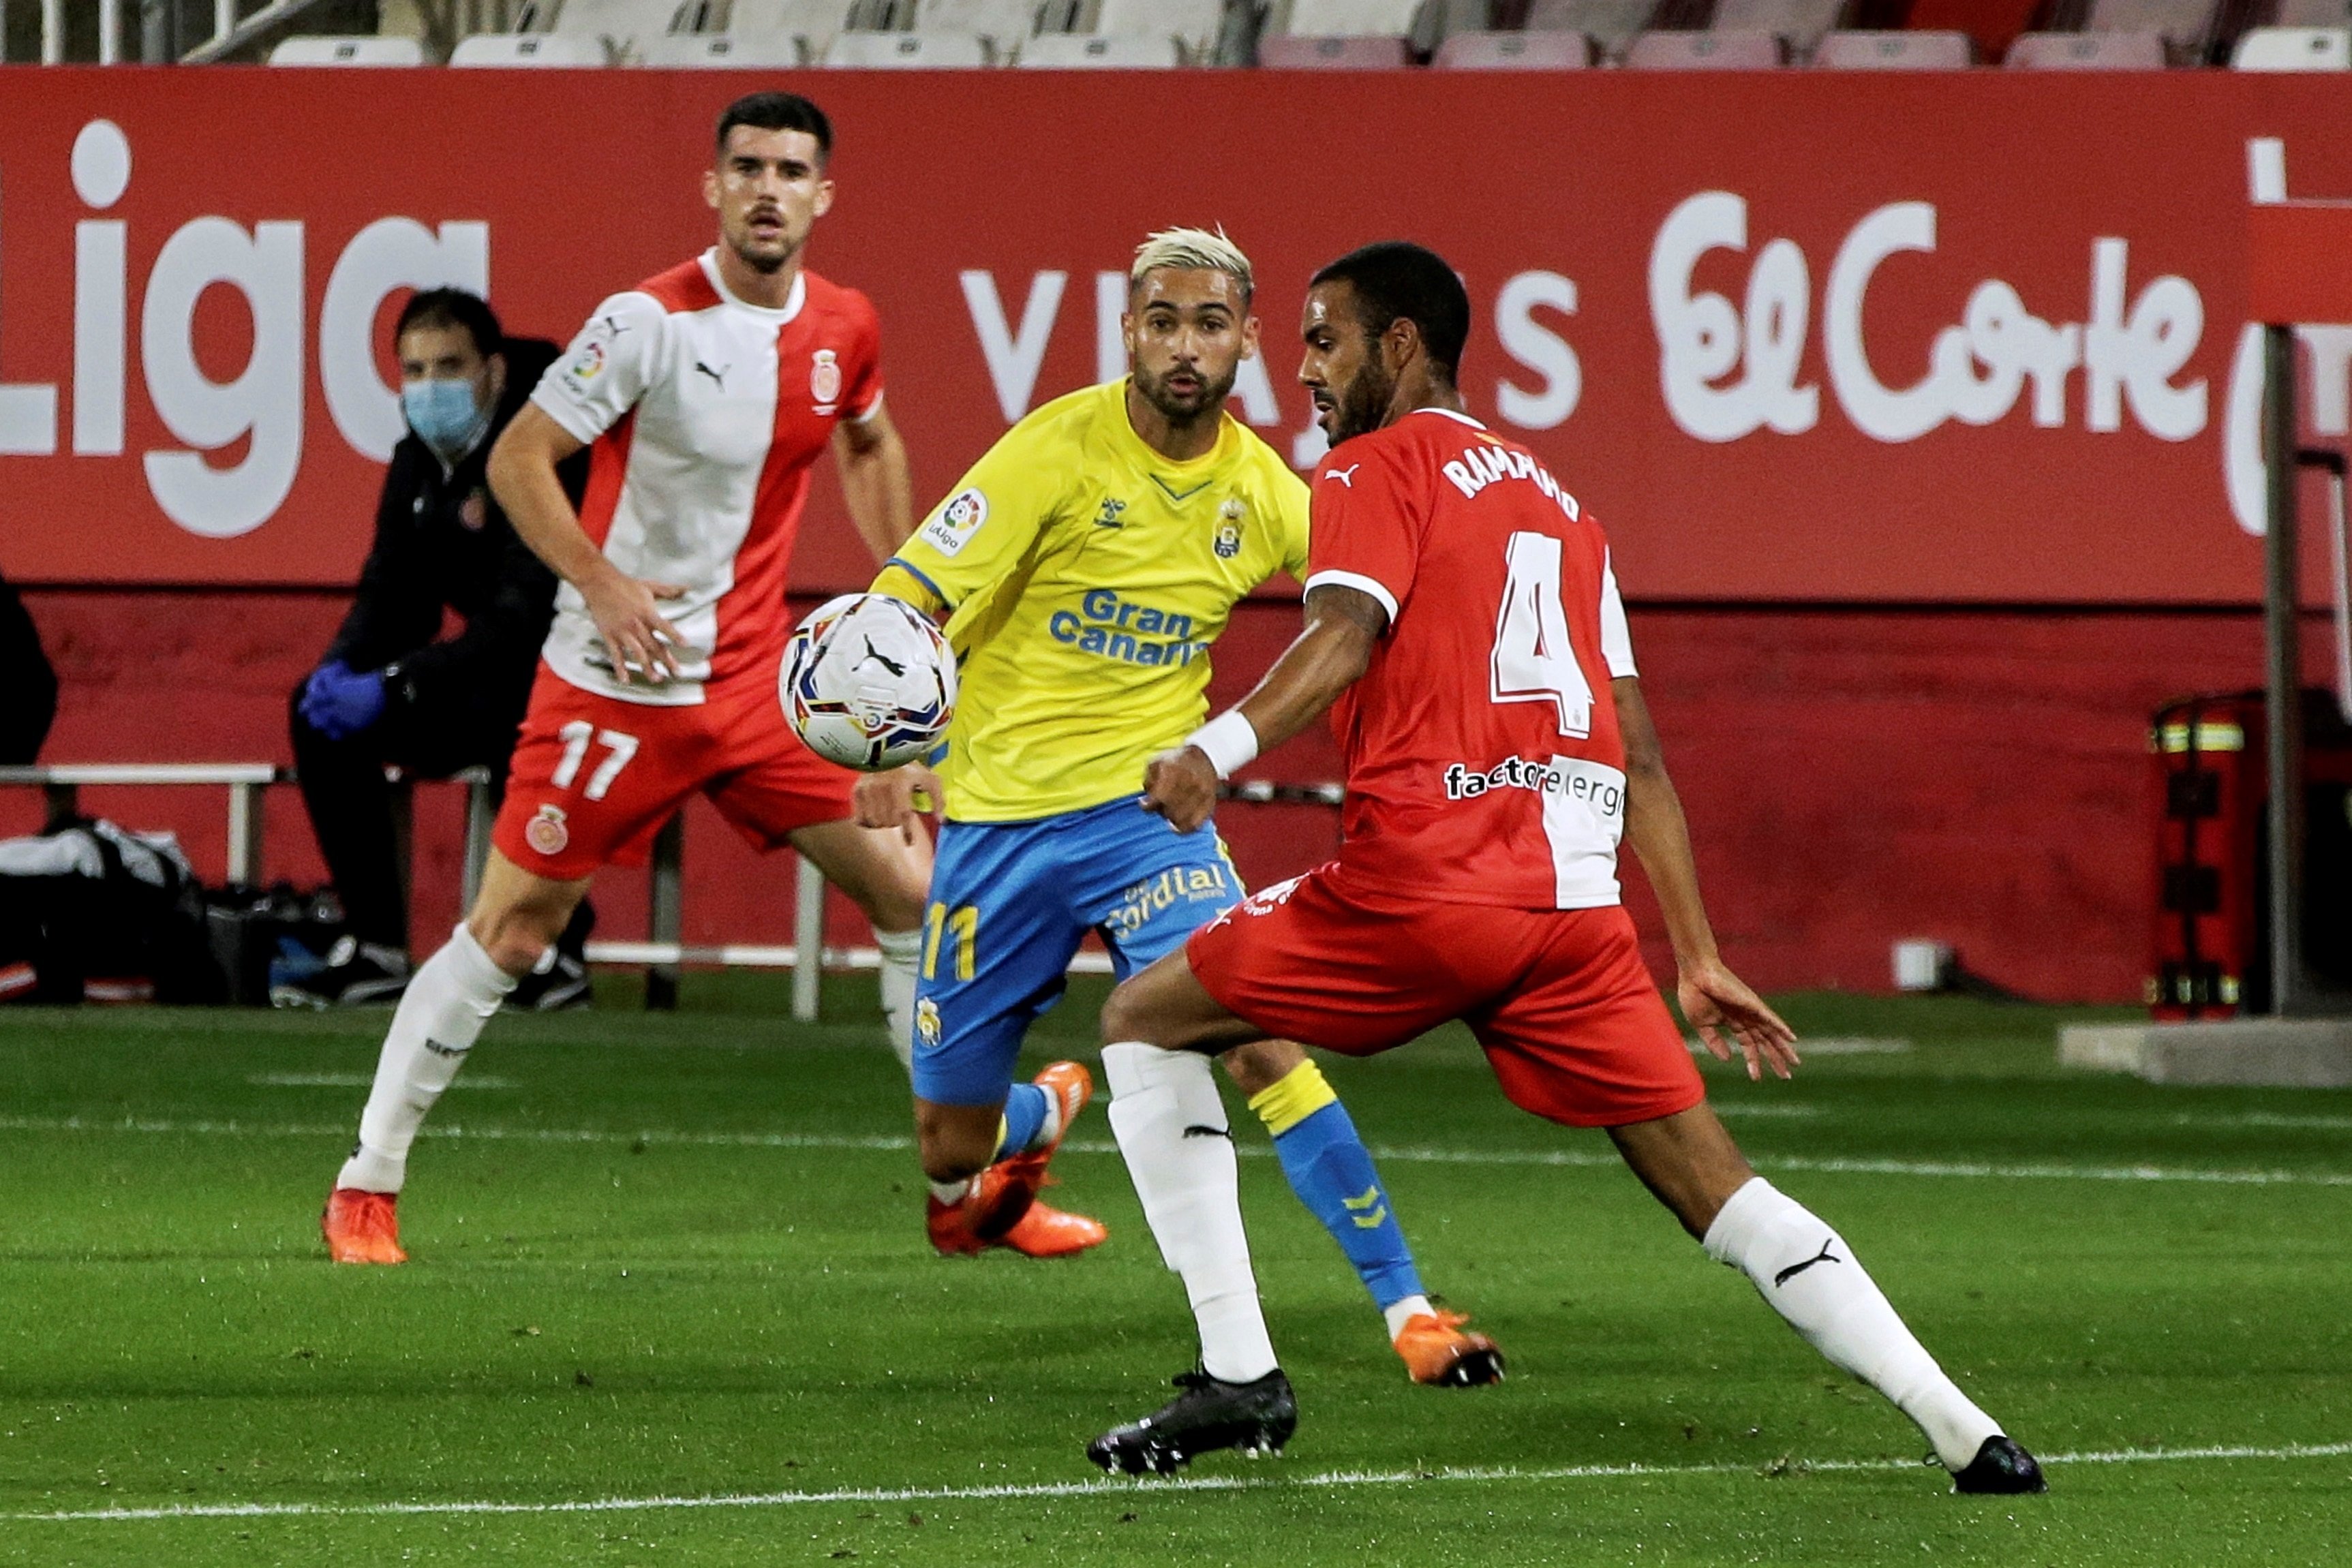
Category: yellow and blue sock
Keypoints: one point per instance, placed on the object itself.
(1331, 1172)
(1025, 1109)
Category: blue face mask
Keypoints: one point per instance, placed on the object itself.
(444, 414)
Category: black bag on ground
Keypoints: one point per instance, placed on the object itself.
(90, 911)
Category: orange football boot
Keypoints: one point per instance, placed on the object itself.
(362, 1227)
(1071, 1085)
(1438, 1353)
(1049, 1232)
(993, 1206)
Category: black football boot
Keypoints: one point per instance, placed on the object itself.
(2000, 1469)
(1256, 1417)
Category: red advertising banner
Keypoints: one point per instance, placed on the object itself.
(1794, 336)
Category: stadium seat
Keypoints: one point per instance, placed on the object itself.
(814, 23)
(907, 51)
(1800, 24)
(1866, 51)
(1514, 52)
(2086, 52)
(1005, 23)
(1195, 25)
(724, 51)
(1096, 51)
(511, 50)
(621, 24)
(358, 51)
(1349, 18)
(1705, 52)
(2184, 26)
(2284, 49)
(1364, 54)
(1612, 24)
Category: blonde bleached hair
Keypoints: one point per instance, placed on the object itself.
(1193, 250)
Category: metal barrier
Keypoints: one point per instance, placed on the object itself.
(61, 784)
(244, 780)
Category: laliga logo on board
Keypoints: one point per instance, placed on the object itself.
(262, 404)
(1978, 367)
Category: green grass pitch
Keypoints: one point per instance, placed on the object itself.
(675, 1266)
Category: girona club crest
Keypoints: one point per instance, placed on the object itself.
(824, 378)
(548, 832)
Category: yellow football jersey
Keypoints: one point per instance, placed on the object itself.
(1087, 576)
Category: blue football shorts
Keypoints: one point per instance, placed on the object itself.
(1010, 903)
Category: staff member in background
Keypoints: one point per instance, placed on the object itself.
(392, 689)
(28, 687)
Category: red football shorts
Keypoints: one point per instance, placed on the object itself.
(1560, 999)
(593, 778)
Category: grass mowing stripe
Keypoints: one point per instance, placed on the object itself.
(1833, 1166)
(1131, 1487)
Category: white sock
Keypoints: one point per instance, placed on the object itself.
(1172, 1128)
(901, 950)
(1811, 1278)
(950, 1193)
(1399, 1313)
(440, 1015)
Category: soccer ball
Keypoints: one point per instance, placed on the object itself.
(868, 682)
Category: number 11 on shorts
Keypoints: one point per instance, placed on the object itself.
(961, 922)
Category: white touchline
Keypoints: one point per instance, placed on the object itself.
(1046, 1489)
(1401, 1155)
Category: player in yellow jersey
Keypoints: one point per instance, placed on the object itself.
(1085, 566)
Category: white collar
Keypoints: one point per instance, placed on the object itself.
(793, 301)
(1449, 413)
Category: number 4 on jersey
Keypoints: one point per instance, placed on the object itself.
(1534, 659)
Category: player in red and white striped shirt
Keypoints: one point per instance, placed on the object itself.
(1465, 633)
(704, 395)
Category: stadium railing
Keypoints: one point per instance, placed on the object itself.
(247, 782)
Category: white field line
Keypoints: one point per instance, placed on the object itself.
(1050, 1490)
(1405, 1155)
(362, 1081)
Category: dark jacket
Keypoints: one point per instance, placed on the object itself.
(28, 687)
(441, 542)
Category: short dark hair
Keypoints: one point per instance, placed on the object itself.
(453, 308)
(1396, 281)
(778, 112)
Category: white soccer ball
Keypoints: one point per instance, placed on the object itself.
(868, 682)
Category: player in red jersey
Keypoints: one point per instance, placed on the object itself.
(704, 395)
(1463, 630)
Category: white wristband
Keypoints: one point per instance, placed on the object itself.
(1228, 742)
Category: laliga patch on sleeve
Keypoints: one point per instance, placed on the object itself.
(587, 364)
(951, 527)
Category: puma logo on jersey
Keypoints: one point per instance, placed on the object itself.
(1345, 475)
(718, 377)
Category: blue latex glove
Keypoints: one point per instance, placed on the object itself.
(339, 701)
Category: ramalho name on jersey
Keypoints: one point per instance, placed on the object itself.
(704, 413)
(1484, 759)
(1087, 576)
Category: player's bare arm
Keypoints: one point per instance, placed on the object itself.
(626, 610)
(872, 462)
(1715, 1002)
(1343, 626)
